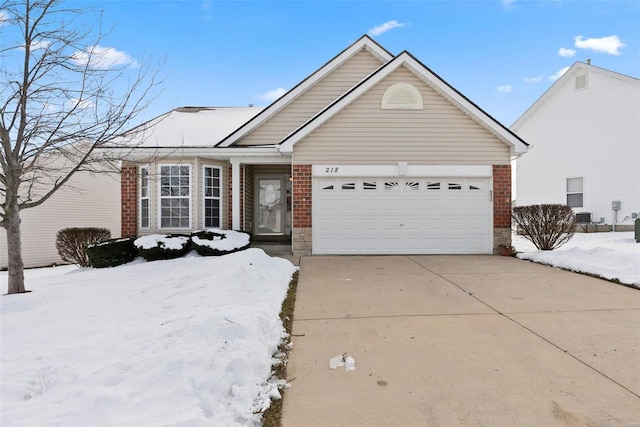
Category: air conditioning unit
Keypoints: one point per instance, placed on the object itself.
(584, 217)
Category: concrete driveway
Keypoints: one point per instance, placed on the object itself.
(461, 340)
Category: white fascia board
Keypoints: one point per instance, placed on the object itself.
(314, 122)
(566, 77)
(517, 147)
(270, 152)
(425, 171)
(267, 113)
(545, 96)
(255, 160)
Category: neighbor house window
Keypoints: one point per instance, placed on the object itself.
(574, 192)
(581, 82)
(212, 197)
(144, 197)
(175, 196)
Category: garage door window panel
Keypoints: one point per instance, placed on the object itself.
(348, 186)
(369, 185)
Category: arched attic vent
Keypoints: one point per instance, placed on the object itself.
(402, 96)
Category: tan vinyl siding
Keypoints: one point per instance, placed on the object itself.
(85, 201)
(363, 133)
(313, 100)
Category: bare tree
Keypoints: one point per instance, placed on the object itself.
(61, 99)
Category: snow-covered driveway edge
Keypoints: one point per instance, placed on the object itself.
(188, 341)
(613, 256)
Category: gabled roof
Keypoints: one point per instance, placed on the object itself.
(564, 79)
(517, 145)
(364, 42)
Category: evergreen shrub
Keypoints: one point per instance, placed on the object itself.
(219, 242)
(162, 246)
(111, 253)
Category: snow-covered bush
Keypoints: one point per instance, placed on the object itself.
(215, 242)
(72, 243)
(111, 253)
(546, 226)
(162, 246)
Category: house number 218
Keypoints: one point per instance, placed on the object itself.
(331, 170)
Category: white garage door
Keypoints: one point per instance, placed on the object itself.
(401, 216)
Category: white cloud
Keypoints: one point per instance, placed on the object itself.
(567, 53)
(35, 45)
(103, 57)
(272, 95)
(536, 79)
(389, 25)
(610, 45)
(80, 104)
(505, 88)
(559, 74)
(508, 2)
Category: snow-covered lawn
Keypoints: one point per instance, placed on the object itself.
(185, 342)
(614, 255)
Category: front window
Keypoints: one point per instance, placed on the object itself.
(144, 197)
(575, 192)
(175, 196)
(212, 197)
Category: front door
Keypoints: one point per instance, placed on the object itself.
(271, 210)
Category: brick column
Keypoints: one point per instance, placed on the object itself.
(301, 240)
(501, 206)
(129, 201)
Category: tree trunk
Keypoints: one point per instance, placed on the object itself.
(14, 248)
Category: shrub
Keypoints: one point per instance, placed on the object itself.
(72, 243)
(162, 246)
(219, 242)
(111, 253)
(546, 226)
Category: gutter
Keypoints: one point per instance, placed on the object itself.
(154, 153)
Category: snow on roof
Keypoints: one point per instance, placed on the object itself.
(194, 126)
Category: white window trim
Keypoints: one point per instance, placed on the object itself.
(220, 198)
(140, 198)
(159, 171)
(567, 192)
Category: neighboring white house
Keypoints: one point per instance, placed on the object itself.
(85, 201)
(585, 137)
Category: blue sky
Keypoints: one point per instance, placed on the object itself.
(500, 54)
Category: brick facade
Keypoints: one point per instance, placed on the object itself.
(301, 207)
(129, 201)
(501, 206)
